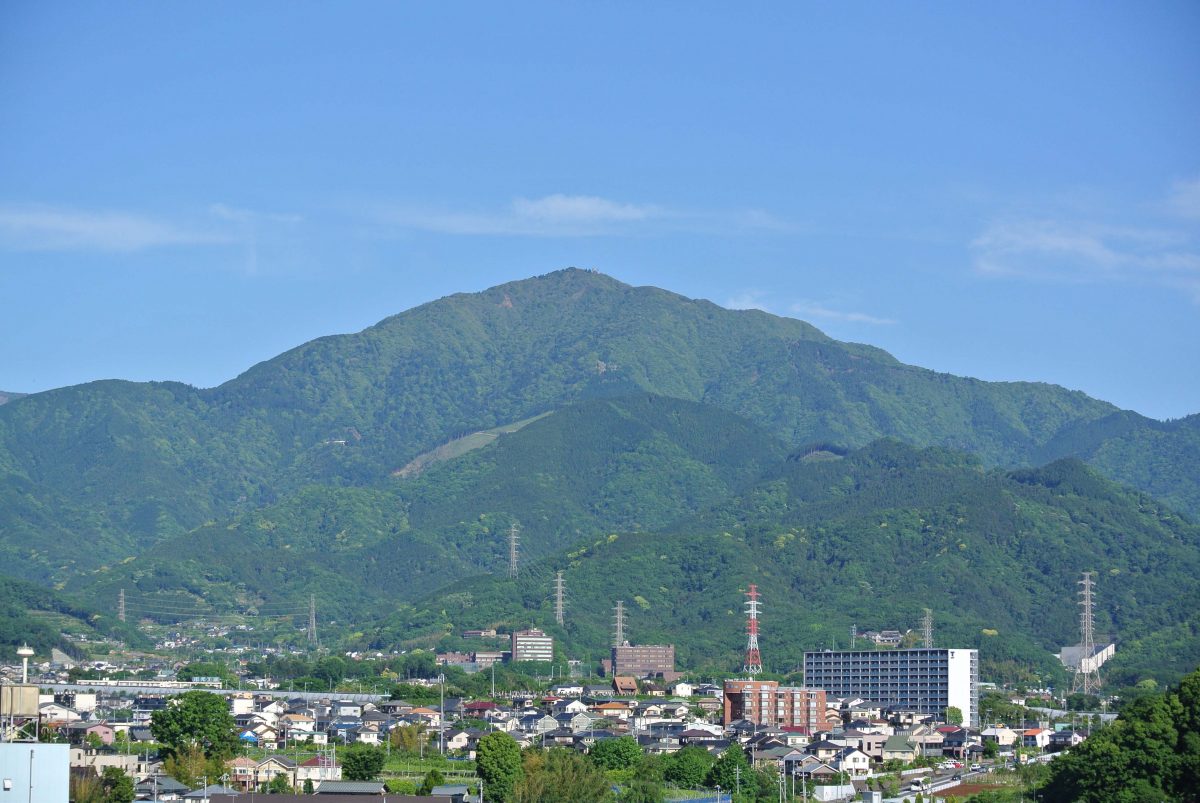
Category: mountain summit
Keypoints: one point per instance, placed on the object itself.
(108, 469)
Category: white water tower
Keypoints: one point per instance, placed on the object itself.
(26, 652)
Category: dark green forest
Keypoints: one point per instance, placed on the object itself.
(868, 540)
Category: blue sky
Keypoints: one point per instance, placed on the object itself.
(1008, 191)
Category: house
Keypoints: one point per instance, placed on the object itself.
(243, 773)
(369, 733)
(625, 684)
(570, 707)
(852, 761)
(650, 710)
(160, 787)
(457, 740)
(456, 793)
(347, 708)
(682, 688)
(538, 723)
(862, 709)
(270, 767)
(616, 709)
(824, 750)
(429, 715)
(1062, 740)
(1038, 738)
(900, 748)
(396, 707)
(1001, 735)
(317, 769)
(98, 760)
(308, 735)
(567, 690)
(676, 708)
(207, 792)
(574, 722)
(869, 743)
(241, 704)
(957, 741)
(79, 732)
(350, 788)
(54, 712)
(800, 765)
(507, 722)
(479, 708)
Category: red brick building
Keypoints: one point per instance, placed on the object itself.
(765, 702)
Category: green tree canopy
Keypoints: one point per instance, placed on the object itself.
(561, 776)
(498, 763)
(116, 785)
(432, 778)
(362, 762)
(616, 754)
(1151, 752)
(197, 718)
(727, 769)
(687, 767)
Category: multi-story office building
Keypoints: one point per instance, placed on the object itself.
(921, 680)
(765, 702)
(644, 661)
(532, 645)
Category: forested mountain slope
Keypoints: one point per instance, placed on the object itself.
(97, 473)
(870, 540)
(588, 469)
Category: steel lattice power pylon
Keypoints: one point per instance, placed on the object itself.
(753, 656)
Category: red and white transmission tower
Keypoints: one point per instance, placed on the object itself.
(753, 657)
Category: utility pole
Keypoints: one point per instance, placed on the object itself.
(312, 620)
(121, 605)
(513, 539)
(927, 629)
(558, 598)
(619, 625)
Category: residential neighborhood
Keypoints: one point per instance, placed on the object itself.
(851, 745)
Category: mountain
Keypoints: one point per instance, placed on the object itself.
(871, 540)
(7, 396)
(377, 468)
(44, 619)
(586, 470)
(110, 468)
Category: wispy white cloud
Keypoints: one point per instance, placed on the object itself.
(47, 228)
(561, 215)
(756, 299)
(811, 310)
(550, 216)
(1082, 252)
(560, 208)
(1184, 199)
(748, 299)
(240, 215)
(1163, 252)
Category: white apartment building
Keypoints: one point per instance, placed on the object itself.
(921, 680)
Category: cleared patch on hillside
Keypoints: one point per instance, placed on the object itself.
(460, 446)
